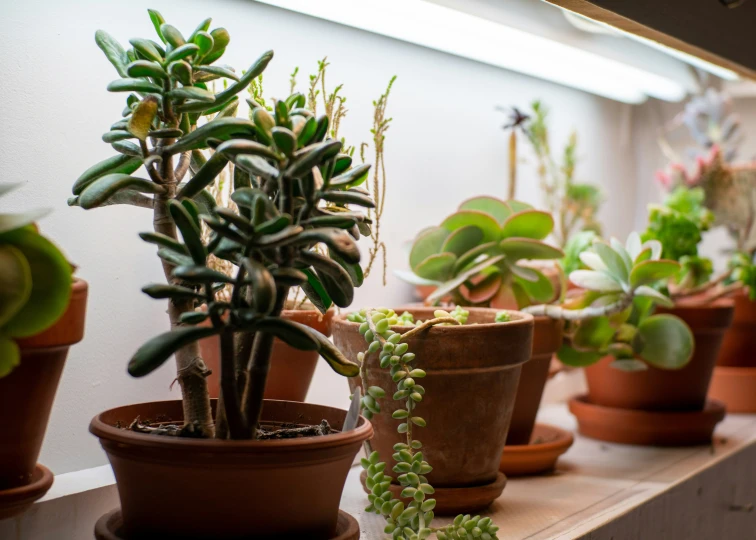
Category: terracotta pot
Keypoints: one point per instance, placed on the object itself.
(173, 488)
(26, 395)
(547, 338)
(667, 390)
(739, 345)
(291, 370)
(472, 375)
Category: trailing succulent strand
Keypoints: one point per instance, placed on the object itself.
(291, 225)
(410, 521)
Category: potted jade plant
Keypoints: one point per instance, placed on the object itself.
(292, 370)
(215, 460)
(42, 310)
(439, 388)
(500, 274)
(725, 186)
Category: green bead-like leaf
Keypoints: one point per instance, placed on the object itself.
(664, 341)
(157, 350)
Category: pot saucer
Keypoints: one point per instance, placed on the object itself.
(451, 501)
(16, 500)
(652, 428)
(735, 387)
(547, 443)
(108, 527)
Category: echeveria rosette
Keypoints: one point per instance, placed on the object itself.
(476, 253)
(35, 282)
(613, 315)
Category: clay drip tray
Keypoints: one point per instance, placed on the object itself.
(17, 500)
(109, 527)
(735, 387)
(451, 501)
(651, 428)
(547, 443)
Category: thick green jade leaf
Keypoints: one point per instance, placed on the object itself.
(436, 267)
(645, 290)
(485, 222)
(292, 333)
(352, 178)
(51, 284)
(157, 350)
(595, 281)
(134, 85)
(526, 248)
(571, 357)
(614, 262)
(652, 271)
(315, 291)
(354, 270)
(643, 256)
(100, 190)
(664, 341)
(113, 51)
(10, 355)
(593, 334)
(117, 164)
(15, 282)
(192, 92)
(498, 209)
(332, 355)
(533, 224)
(218, 70)
(517, 206)
(540, 291)
(427, 243)
(141, 119)
(462, 240)
(483, 291)
(205, 175)
(258, 66)
(190, 231)
(221, 128)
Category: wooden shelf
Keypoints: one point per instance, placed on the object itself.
(604, 491)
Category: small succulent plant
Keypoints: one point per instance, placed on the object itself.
(477, 252)
(711, 122)
(291, 226)
(614, 314)
(411, 521)
(35, 282)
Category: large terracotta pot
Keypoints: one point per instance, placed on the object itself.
(547, 338)
(27, 394)
(182, 488)
(667, 390)
(472, 375)
(739, 345)
(291, 370)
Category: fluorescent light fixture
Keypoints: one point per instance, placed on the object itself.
(461, 34)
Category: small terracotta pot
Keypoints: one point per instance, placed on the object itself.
(547, 338)
(27, 394)
(739, 345)
(472, 375)
(667, 390)
(173, 488)
(291, 370)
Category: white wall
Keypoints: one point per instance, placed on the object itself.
(445, 144)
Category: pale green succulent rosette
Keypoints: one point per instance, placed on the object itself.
(35, 282)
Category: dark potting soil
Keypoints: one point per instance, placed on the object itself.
(269, 431)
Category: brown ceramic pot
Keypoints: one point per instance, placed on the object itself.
(26, 395)
(181, 488)
(291, 370)
(472, 375)
(547, 338)
(667, 390)
(739, 345)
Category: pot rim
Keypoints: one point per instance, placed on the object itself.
(103, 430)
(523, 319)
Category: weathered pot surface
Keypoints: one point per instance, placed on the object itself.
(291, 370)
(667, 390)
(29, 391)
(287, 488)
(472, 375)
(739, 345)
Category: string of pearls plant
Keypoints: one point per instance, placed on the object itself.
(413, 520)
